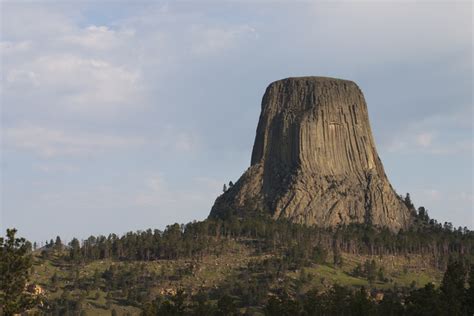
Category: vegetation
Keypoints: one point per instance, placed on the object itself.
(15, 262)
(251, 265)
(297, 242)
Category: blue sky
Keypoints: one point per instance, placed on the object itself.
(119, 117)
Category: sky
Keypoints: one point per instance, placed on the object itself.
(118, 117)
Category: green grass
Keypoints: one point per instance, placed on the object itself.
(395, 270)
(213, 270)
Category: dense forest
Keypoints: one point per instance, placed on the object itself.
(158, 272)
(294, 241)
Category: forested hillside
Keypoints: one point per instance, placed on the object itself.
(253, 266)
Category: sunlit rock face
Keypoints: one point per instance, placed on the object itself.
(314, 160)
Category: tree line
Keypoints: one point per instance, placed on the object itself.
(196, 239)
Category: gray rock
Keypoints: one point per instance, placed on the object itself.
(314, 160)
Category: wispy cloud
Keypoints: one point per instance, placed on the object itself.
(48, 142)
(424, 139)
(214, 40)
(56, 167)
(426, 142)
(66, 82)
(158, 193)
(9, 48)
(99, 38)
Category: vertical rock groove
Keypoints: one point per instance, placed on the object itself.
(314, 160)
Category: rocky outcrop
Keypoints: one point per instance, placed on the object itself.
(314, 160)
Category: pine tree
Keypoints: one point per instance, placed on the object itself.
(469, 297)
(75, 250)
(408, 202)
(58, 245)
(452, 288)
(425, 302)
(55, 280)
(226, 306)
(370, 268)
(15, 264)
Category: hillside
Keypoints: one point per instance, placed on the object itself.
(209, 275)
(246, 267)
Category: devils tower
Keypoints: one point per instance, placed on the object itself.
(314, 160)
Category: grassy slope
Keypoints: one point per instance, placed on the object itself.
(401, 271)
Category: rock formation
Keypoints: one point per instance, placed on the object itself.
(314, 160)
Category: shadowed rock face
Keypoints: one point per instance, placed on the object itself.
(314, 160)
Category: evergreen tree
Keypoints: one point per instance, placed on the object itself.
(408, 202)
(425, 302)
(370, 270)
(226, 306)
(75, 250)
(423, 214)
(58, 245)
(469, 297)
(55, 280)
(202, 306)
(391, 305)
(381, 275)
(452, 288)
(337, 257)
(15, 264)
(361, 305)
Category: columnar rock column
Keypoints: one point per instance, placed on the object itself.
(314, 160)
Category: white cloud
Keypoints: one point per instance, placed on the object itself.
(22, 20)
(392, 30)
(158, 193)
(426, 142)
(74, 83)
(22, 78)
(57, 167)
(396, 145)
(157, 184)
(430, 195)
(214, 40)
(424, 139)
(9, 48)
(466, 196)
(453, 148)
(99, 38)
(172, 138)
(186, 143)
(437, 133)
(445, 204)
(48, 142)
